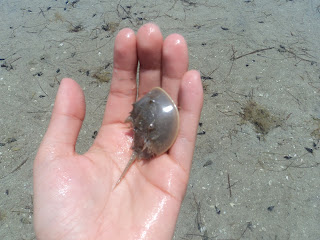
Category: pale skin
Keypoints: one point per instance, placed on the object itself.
(73, 194)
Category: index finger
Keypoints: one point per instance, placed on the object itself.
(123, 89)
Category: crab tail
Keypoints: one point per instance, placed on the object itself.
(129, 164)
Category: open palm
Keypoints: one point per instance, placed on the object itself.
(73, 194)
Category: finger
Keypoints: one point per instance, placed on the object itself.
(67, 116)
(123, 89)
(190, 103)
(174, 64)
(149, 46)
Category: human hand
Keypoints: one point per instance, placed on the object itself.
(73, 194)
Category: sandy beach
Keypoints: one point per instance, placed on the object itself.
(256, 166)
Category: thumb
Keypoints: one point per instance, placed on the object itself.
(67, 116)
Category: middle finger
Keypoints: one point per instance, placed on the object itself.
(149, 48)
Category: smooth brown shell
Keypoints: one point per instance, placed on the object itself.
(155, 122)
